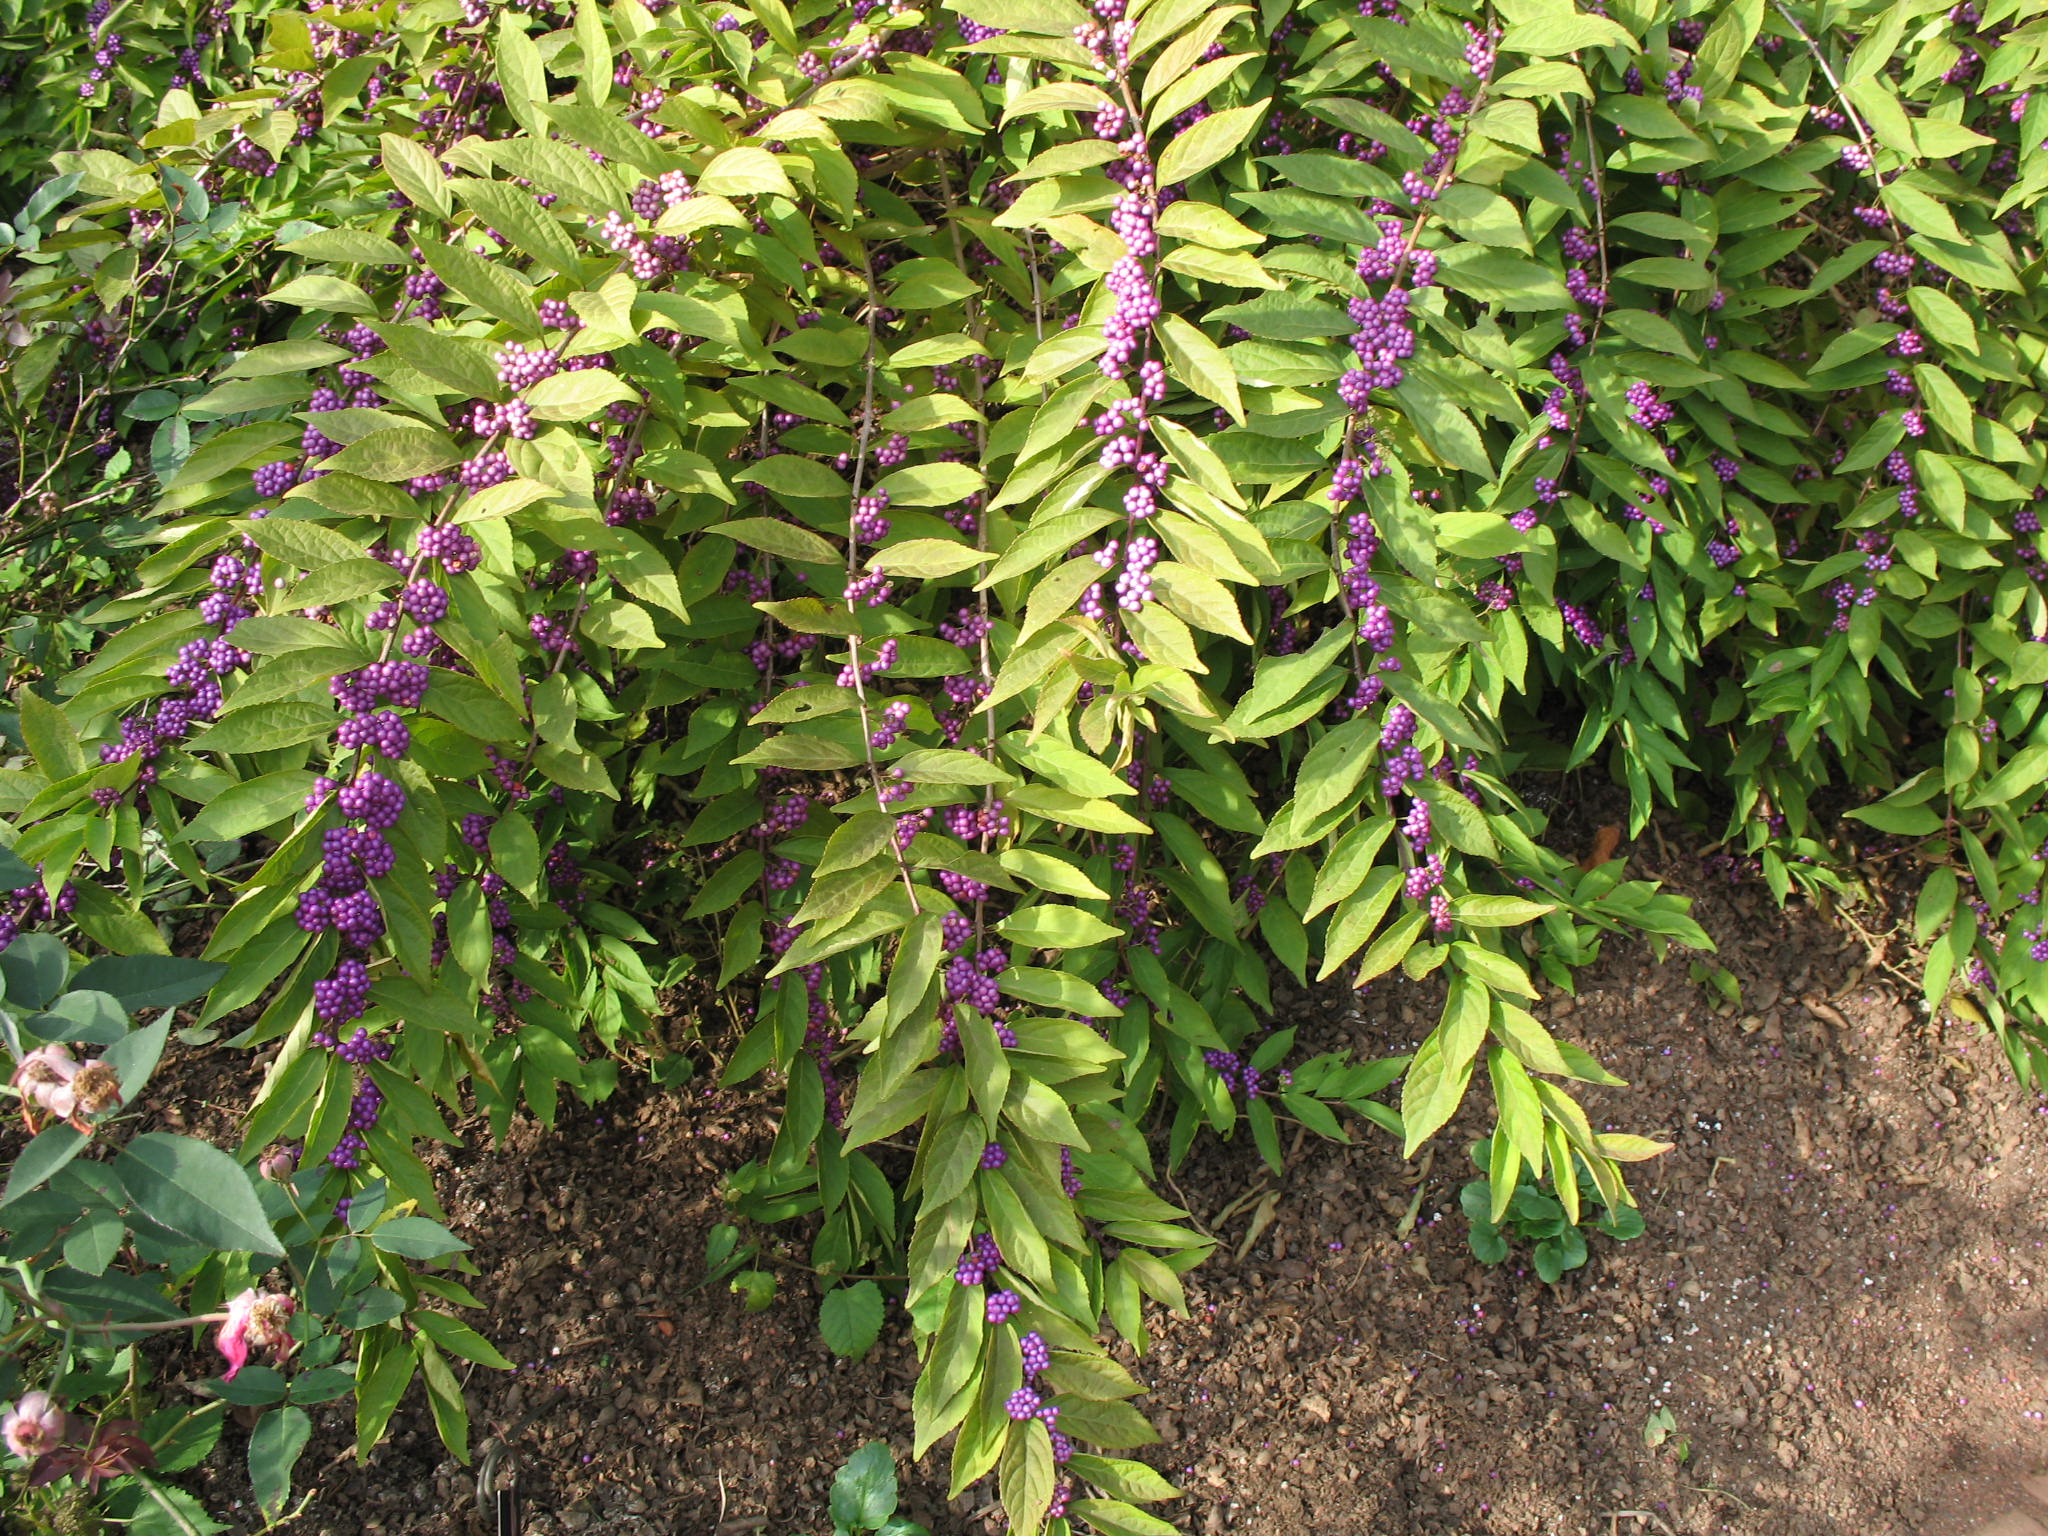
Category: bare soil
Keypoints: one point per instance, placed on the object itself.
(1841, 1298)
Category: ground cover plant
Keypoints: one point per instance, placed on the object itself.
(1554, 1221)
(976, 539)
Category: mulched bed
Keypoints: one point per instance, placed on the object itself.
(1841, 1298)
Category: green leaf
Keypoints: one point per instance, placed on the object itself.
(489, 285)
(1904, 820)
(2021, 774)
(458, 1339)
(444, 1397)
(1389, 948)
(318, 291)
(778, 538)
(51, 1148)
(278, 357)
(1205, 224)
(1731, 36)
(148, 981)
(945, 765)
(1124, 1479)
(266, 729)
(796, 749)
(1349, 863)
(415, 1237)
(50, 737)
(512, 212)
(1061, 808)
(850, 1319)
(385, 1370)
(864, 1491)
(1918, 206)
(415, 172)
(1113, 1517)
(1068, 767)
(1333, 767)
(1667, 272)
(1559, 33)
(227, 448)
(931, 485)
(396, 453)
(197, 1190)
(186, 1516)
(744, 171)
(620, 626)
(1481, 911)
(463, 363)
(336, 583)
(90, 1017)
(1025, 1479)
(33, 968)
(1050, 873)
(1200, 599)
(788, 476)
(578, 396)
(1197, 148)
(928, 559)
(1356, 918)
(515, 852)
(93, 1243)
(928, 282)
(1198, 362)
(251, 806)
(354, 247)
(471, 706)
(1943, 319)
(274, 1448)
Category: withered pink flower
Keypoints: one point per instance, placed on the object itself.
(45, 1075)
(258, 1320)
(96, 1088)
(33, 1425)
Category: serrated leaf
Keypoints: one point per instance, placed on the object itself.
(318, 291)
(744, 171)
(266, 729)
(1046, 926)
(1200, 364)
(928, 559)
(1560, 33)
(396, 453)
(794, 749)
(416, 173)
(778, 538)
(578, 396)
(1202, 145)
(251, 806)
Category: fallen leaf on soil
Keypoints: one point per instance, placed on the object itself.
(1605, 841)
(1262, 1218)
(1826, 1012)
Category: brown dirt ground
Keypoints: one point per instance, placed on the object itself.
(1842, 1299)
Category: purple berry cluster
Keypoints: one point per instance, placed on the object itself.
(1240, 1076)
(31, 903)
(235, 582)
(1646, 410)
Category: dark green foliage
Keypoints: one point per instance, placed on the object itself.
(1534, 1214)
(741, 505)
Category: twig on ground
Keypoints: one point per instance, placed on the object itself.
(1615, 1517)
(1739, 1503)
